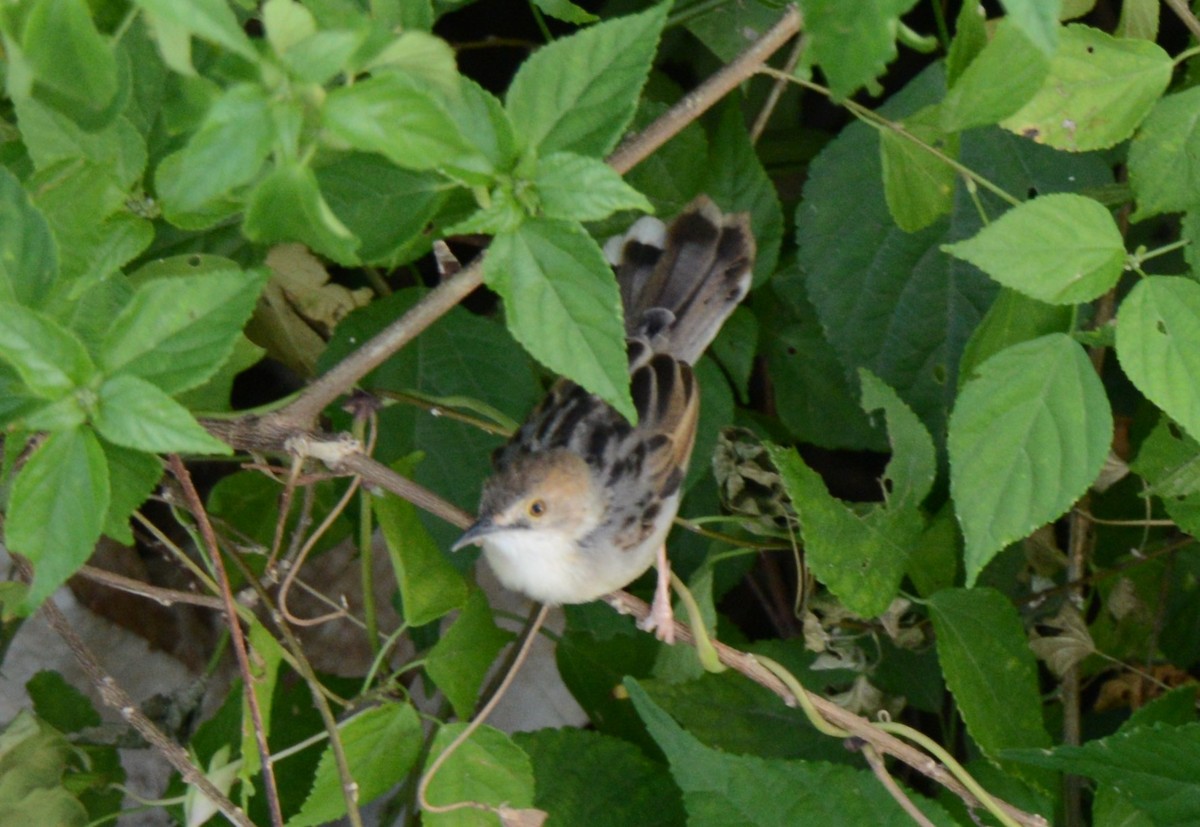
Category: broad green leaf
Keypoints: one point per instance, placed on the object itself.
(60, 704)
(566, 11)
(33, 758)
(56, 509)
(989, 668)
(423, 57)
(1171, 132)
(286, 23)
(1013, 318)
(481, 120)
(910, 472)
(133, 475)
(723, 789)
(1060, 249)
(1139, 18)
(1038, 20)
(891, 301)
(852, 42)
(177, 332)
(728, 29)
(50, 360)
(464, 655)
(576, 188)
(588, 778)
(737, 182)
(1153, 766)
(28, 255)
(429, 586)
(970, 38)
(287, 205)
(382, 745)
(488, 768)
(210, 20)
(69, 56)
(998, 82)
(227, 151)
(134, 413)
(918, 185)
(579, 93)
(1158, 343)
(562, 304)
(395, 116)
(322, 56)
(214, 396)
(118, 150)
(1029, 434)
(1169, 461)
(1098, 90)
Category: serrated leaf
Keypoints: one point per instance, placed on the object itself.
(722, 789)
(1169, 461)
(56, 509)
(1158, 344)
(1013, 318)
(177, 332)
(1029, 434)
(563, 305)
(579, 93)
(1038, 20)
(134, 413)
(50, 360)
(576, 188)
(227, 151)
(989, 669)
(287, 205)
(211, 20)
(918, 186)
(850, 62)
(488, 768)
(429, 586)
(133, 475)
(1171, 132)
(970, 38)
(28, 255)
(1098, 90)
(381, 745)
(910, 472)
(1060, 249)
(461, 659)
(998, 81)
(1153, 766)
(68, 55)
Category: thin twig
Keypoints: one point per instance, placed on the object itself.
(196, 506)
(777, 89)
(166, 597)
(885, 778)
(1180, 7)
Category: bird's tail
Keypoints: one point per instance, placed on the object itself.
(680, 282)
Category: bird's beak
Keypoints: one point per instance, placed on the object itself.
(480, 529)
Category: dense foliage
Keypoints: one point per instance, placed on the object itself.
(975, 311)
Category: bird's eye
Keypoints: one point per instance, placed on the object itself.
(537, 508)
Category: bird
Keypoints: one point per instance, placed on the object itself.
(581, 500)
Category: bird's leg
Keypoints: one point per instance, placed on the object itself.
(661, 619)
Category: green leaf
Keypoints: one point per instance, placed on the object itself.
(28, 256)
(970, 38)
(287, 23)
(1013, 318)
(287, 205)
(850, 62)
(1170, 132)
(177, 332)
(461, 659)
(989, 668)
(918, 185)
(998, 82)
(1154, 767)
(575, 188)
(133, 475)
(1029, 434)
(211, 20)
(1139, 18)
(381, 744)
(1098, 90)
(67, 54)
(1060, 249)
(722, 789)
(1158, 344)
(566, 11)
(395, 116)
(488, 768)
(265, 657)
(51, 361)
(588, 778)
(214, 395)
(737, 182)
(563, 305)
(579, 93)
(862, 555)
(429, 586)
(481, 120)
(33, 758)
(1169, 461)
(57, 507)
(60, 704)
(1037, 20)
(134, 413)
(227, 151)
(423, 57)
